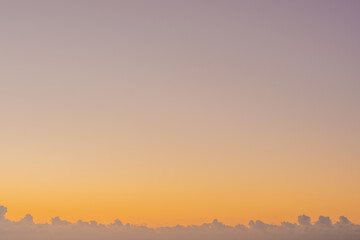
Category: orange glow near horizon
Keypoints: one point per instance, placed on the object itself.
(164, 113)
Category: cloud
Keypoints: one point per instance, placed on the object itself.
(58, 229)
(58, 221)
(304, 220)
(288, 225)
(117, 223)
(28, 219)
(324, 222)
(343, 221)
(3, 211)
(260, 225)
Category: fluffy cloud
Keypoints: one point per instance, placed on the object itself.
(28, 219)
(324, 222)
(58, 229)
(304, 220)
(343, 221)
(58, 221)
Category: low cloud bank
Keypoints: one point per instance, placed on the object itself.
(58, 229)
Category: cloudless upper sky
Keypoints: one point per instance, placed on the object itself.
(166, 112)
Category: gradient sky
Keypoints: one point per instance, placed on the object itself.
(166, 112)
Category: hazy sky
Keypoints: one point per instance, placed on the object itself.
(58, 229)
(166, 112)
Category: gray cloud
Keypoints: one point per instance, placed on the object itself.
(304, 220)
(58, 221)
(58, 229)
(28, 219)
(343, 221)
(3, 211)
(324, 222)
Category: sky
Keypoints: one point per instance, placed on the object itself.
(179, 112)
(58, 229)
